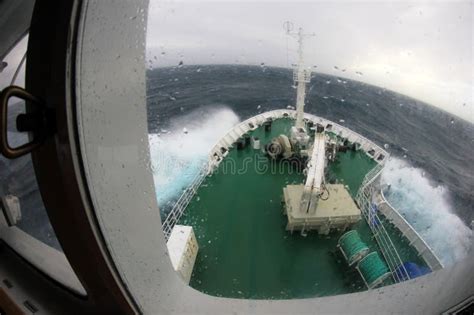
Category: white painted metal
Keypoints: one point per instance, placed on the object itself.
(301, 76)
(314, 178)
(215, 157)
(423, 249)
(364, 200)
(125, 201)
(48, 260)
(183, 248)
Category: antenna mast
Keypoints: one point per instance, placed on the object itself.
(301, 73)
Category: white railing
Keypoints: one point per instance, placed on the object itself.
(423, 249)
(220, 150)
(216, 155)
(178, 209)
(364, 199)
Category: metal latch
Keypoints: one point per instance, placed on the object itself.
(41, 123)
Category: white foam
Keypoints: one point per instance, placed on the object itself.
(179, 152)
(426, 207)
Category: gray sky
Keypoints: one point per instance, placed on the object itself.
(421, 49)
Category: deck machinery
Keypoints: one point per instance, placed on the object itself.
(314, 205)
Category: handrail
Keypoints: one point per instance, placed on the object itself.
(178, 209)
(423, 249)
(390, 253)
(216, 155)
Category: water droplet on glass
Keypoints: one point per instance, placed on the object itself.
(452, 121)
(328, 82)
(185, 131)
(180, 64)
(198, 70)
(336, 68)
(386, 146)
(342, 121)
(259, 106)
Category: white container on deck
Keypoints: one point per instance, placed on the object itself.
(183, 247)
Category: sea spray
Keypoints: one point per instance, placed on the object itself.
(426, 207)
(181, 150)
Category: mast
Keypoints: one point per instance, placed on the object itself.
(301, 73)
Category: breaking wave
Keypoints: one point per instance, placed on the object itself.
(179, 152)
(426, 207)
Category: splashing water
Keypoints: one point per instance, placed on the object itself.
(177, 156)
(427, 209)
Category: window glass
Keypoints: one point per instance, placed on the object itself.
(17, 177)
(391, 85)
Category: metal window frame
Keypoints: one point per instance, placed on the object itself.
(50, 75)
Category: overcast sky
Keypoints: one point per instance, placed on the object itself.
(421, 49)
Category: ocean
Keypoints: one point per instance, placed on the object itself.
(190, 107)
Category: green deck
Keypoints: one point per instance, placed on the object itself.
(244, 249)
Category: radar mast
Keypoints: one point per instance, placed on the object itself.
(301, 73)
